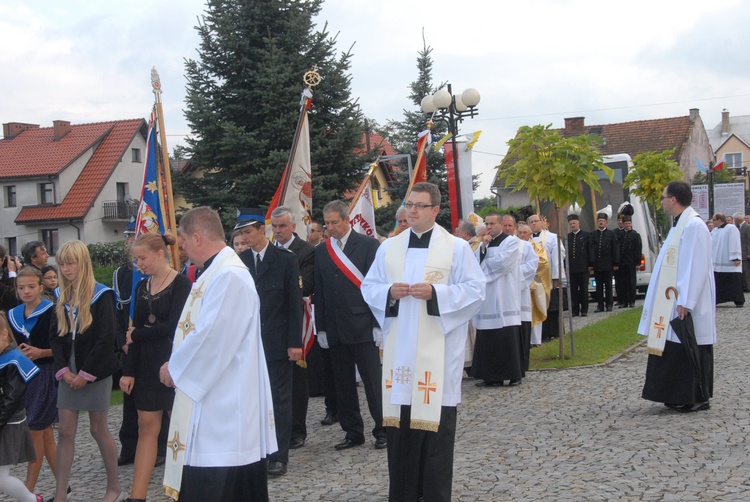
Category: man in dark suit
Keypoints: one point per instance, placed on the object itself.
(604, 253)
(283, 225)
(578, 261)
(279, 285)
(631, 247)
(345, 323)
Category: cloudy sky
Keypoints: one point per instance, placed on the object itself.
(534, 62)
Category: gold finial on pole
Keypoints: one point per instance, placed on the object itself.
(312, 78)
(155, 81)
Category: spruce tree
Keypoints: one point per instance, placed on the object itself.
(243, 99)
(403, 137)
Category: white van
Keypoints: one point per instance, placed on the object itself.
(615, 194)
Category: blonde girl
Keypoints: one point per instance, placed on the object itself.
(82, 337)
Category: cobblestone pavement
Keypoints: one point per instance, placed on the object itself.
(578, 434)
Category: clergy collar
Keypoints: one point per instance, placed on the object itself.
(724, 225)
(575, 232)
(497, 240)
(420, 240)
(537, 234)
(208, 262)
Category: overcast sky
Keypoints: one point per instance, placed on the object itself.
(534, 62)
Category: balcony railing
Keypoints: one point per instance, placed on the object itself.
(120, 210)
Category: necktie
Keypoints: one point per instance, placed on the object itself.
(341, 244)
(257, 262)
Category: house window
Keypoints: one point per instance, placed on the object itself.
(733, 160)
(123, 192)
(12, 246)
(46, 193)
(10, 196)
(136, 154)
(50, 240)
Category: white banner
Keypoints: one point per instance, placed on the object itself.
(465, 178)
(729, 198)
(362, 216)
(700, 201)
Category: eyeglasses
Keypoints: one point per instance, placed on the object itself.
(418, 205)
(665, 197)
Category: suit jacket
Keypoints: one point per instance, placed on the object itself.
(604, 250)
(340, 310)
(578, 252)
(305, 253)
(745, 240)
(631, 248)
(279, 286)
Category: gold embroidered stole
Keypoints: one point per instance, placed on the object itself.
(180, 432)
(666, 292)
(427, 377)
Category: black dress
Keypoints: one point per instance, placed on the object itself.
(152, 342)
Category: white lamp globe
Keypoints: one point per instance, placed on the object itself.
(442, 99)
(470, 97)
(427, 105)
(460, 106)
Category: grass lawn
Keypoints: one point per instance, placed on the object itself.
(595, 343)
(116, 398)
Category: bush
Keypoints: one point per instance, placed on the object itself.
(108, 254)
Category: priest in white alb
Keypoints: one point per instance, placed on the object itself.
(727, 257)
(423, 288)
(682, 286)
(222, 425)
(529, 265)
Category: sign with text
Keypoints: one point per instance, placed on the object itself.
(700, 201)
(729, 198)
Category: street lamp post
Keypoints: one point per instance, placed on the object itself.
(453, 109)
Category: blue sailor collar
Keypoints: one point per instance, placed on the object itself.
(26, 368)
(99, 290)
(26, 325)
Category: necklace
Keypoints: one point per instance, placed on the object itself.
(150, 297)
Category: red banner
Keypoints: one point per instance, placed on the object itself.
(452, 194)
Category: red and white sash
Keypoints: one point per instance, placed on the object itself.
(344, 264)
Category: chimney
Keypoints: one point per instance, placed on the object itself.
(61, 128)
(724, 122)
(13, 129)
(694, 114)
(574, 125)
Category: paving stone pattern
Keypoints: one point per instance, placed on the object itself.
(581, 434)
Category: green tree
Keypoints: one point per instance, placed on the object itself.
(649, 175)
(403, 134)
(552, 168)
(243, 98)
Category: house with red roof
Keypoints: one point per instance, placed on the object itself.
(69, 181)
(686, 134)
(730, 140)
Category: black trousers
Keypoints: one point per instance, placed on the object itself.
(365, 356)
(420, 463)
(627, 276)
(300, 398)
(603, 288)
(246, 483)
(579, 292)
(280, 375)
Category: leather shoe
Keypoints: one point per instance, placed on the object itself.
(584, 315)
(346, 444)
(381, 443)
(276, 468)
(598, 310)
(125, 460)
(489, 384)
(609, 309)
(689, 408)
(514, 383)
(296, 443)
(330, 419)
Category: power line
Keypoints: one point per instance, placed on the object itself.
(577, 112)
